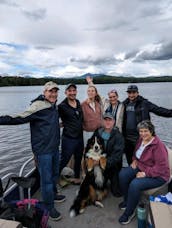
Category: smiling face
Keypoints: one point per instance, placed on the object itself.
(132, 95)
(71, 93)
(113, 98)
(92, 93)
(145, 134)
(108, 124)
(51, 95)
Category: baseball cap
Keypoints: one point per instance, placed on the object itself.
(50, 85)
(70, 85)
(108, 115)
(132, 88)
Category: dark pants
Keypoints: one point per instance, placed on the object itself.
(129, 150)
(72, 147)
(48, 166)
(113, 175)
(132, 187)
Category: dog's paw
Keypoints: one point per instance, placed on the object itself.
(99, 204)
(89, 164)
(103, 161)
(81, 211)
(72, 213)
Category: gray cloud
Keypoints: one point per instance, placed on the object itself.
(43, 48)
(109, 26)
(94, 60)
(9, 3)
(36, 15)
(159, 53)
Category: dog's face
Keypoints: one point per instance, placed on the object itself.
(96, 144)
(95, 153)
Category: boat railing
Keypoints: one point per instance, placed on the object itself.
(13, 186)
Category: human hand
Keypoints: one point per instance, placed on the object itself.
(134, 164)
(140, 174)
(89, 79)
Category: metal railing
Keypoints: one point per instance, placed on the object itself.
(13, 186)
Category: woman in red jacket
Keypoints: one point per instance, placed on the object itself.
(149, 169)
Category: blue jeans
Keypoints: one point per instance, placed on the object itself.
(72, 147)
(48, 166)
(132, 187)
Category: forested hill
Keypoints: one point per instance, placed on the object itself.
(102, 79)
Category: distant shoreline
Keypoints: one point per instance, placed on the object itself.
(102, 79)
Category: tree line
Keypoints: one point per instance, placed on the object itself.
(102, 79)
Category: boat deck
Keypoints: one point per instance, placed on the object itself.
(93, 217)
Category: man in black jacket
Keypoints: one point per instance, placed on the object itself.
(72, 137)
(114, 146)
(136, 109)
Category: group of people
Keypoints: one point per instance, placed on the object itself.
(124, 126)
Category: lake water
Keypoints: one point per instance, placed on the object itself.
(15, 146)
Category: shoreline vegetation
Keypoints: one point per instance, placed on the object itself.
(101, 79)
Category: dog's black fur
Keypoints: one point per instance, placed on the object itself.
(93, 188)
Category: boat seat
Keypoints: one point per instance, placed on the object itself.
(162, 190)
(9, 224)
(24, 182)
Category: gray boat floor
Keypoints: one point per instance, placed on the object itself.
(93, 217)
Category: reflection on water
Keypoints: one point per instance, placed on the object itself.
(15, 145)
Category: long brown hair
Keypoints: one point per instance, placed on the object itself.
(97, 97)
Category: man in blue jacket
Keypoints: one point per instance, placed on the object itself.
(136, 109)
(45, 138)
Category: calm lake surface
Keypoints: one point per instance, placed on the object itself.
(15, 146)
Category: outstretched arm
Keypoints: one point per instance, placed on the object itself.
(89, 80)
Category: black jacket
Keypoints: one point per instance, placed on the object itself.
(143, 107)
(114, 147)
(72, 119)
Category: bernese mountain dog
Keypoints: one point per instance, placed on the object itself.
(93, 187)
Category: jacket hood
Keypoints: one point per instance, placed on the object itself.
(39, 98)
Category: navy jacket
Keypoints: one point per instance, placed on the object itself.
(44, 125)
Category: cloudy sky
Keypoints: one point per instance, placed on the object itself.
(66, 38)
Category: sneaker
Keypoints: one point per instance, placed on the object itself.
(54, 215)
(122, 205)
(125, 219)
(59, 198)
(117, 194)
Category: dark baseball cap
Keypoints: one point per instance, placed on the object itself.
(70, 85)
(132, 88)
(108, 115)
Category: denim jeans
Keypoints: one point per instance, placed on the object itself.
(132, 187)
(72, 147)
(48, 166)
(129, 150)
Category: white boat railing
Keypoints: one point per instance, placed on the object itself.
(8, 175)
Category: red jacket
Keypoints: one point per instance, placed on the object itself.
(154, 159)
